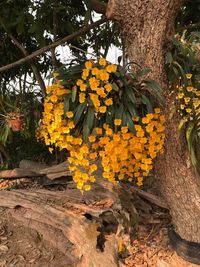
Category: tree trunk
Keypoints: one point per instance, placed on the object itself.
(147, 27)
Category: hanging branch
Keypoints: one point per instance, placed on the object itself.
(34, 68)
(53, 45)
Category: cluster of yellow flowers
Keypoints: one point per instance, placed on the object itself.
(95, 85)
(189, 99)
(119, 152)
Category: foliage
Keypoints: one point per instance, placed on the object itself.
(183, 69)
(36, 24)
(101, 111)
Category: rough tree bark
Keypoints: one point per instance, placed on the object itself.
(147, 27)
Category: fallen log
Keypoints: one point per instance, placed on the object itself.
(62, 167)
(150, 197)
(17, 173)
(88, 228)
(32, 165)
(29, 168)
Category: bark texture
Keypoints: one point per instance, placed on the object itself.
(147, 27)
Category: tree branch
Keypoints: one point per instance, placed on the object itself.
(98, 6)
(53, 45)
(34, 68)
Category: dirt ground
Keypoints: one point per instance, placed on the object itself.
(22, 247)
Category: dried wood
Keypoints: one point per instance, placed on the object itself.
(150, 197)
(62, 167)
(32, 165)
(79, 225)
(53, 176)
(17, 173)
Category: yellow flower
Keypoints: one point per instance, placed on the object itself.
(109, 131)
(102, 109)
(157, 110)
(140, 134)
(108, 87)
(187, 99)
(83, 87)
(98, 130)
(111, 68)
(53, 98)
(149, 116)
(104, 76)
(55, 74)
(109, 102)
(85, 74)
(69, 114)
(92, 138)
(88, 65)
(87, 187)
(182, 106)
(71, 125)
(95, 71)
(81, 97)
(149, 128)
(93, 168)
(197, 93)
(135, 118)
(188, 110)
(79, 82)
(92, 179)
(50, 149)
(48, 106)
(180, 95)
(102, 62)
(143, 140)
(140, 181)
(48, 89)
(189, 88)
(196, 102)
(145, 120)
(100, 91)
(188, 75)
(93, 155)
(124, 129)
(117, 122)
(138, 128)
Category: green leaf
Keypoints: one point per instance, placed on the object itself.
(182, 123)
(5, 133)
(130, 94)
(119, 111)
(148, 104)
(66, 106)
(86, 132)
(130, 123)
(131, 109)
(124, 119)
(74, 92)
(190, 142)
(169, 58)
(143, 72)
(90, 117)
(153, 85)
(156, 90)
(79, 112)
(115, 87)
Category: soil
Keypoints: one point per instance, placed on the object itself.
(22, 247)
